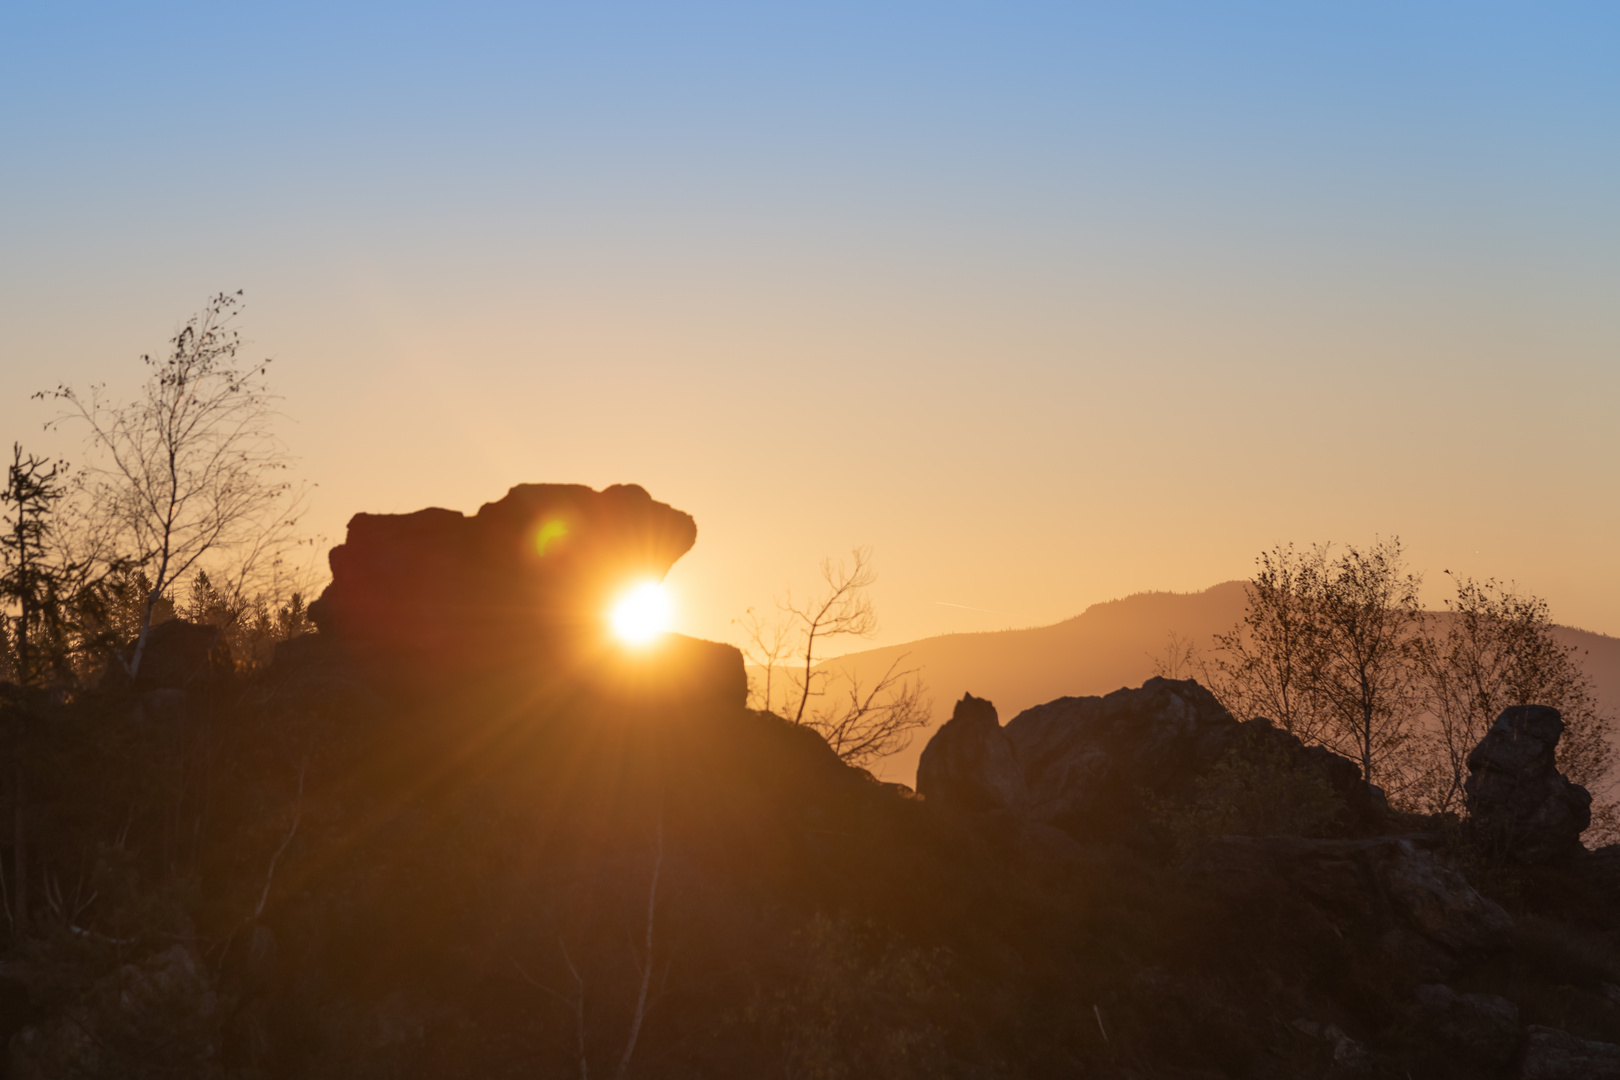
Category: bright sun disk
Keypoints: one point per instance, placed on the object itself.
(641, 614)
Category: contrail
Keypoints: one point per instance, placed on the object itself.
(987, 611)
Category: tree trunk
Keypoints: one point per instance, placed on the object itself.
(134, 665)
(19, 849)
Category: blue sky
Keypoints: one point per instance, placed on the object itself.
(1297, 271)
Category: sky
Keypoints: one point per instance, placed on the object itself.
(1047, 303)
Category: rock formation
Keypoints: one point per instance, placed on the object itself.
(1551, 1054)
(1084, 764)
(970, 762)
(1389, 893)
(529, 578)
(1475, 1031)
(1517, 798)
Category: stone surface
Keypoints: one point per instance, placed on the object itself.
(1516, 796)
(526, 577)
(1084, 764)
(1369, 886)
(162, 1012)
(1347, 1056)
(1477, 1031)
(969, 763)
(1550, 1054)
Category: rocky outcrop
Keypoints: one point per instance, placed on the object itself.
(1517, 798)
(1084, 764)
(162, 1013)
(1369, 887)
(525, 578)
(1454, 1032)
(1550, 1054)
(970, 762)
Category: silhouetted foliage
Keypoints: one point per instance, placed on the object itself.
(856, 1006)
(31, 581)
(1336, 648)
(1492, 648)
(1255, 789)
(1266, 665)
(191, 469)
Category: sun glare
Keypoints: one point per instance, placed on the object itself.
(641, 614)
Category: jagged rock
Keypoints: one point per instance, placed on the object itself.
(1085, 759)
(1364, 886)
(1516, 796)
(1347, 1056)
(1083, 764)
(160, 1016)
(1550, 1054)
(1471, 1033)
(970, 762)
(525, 575)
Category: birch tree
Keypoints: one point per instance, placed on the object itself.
(1495, 647)
(1363, 663)
(190, 470)
(1327, 649)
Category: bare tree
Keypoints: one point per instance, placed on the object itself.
(1264, 665)
(1177, 660)
(1492, 648)
(1362, 665)
(870, 723)
(862, 722)
(190, 468)
(842, 610)
(768, 644)
(1327, 649)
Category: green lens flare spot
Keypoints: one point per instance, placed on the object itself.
(551, 532)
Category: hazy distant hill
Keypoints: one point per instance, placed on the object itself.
(1108, 646)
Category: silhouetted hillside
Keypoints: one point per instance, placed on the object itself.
(1108, 646)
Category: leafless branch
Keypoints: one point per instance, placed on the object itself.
(842, 610)
(646, 963)
(191, 468)
(873, 722)
(298, 816)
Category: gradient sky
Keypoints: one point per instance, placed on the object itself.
(1048, 303)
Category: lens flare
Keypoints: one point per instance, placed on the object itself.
(641, 614)
(551, 532)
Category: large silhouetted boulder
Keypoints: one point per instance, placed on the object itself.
(970, 763)
(1454, 1033)
(1551, 1054)
(1092, 765)
(1517, 798)
(531, 576)
(1321, 897)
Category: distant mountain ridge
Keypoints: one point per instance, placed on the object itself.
(1109, 645)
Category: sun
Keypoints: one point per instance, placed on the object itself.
(641, 614)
